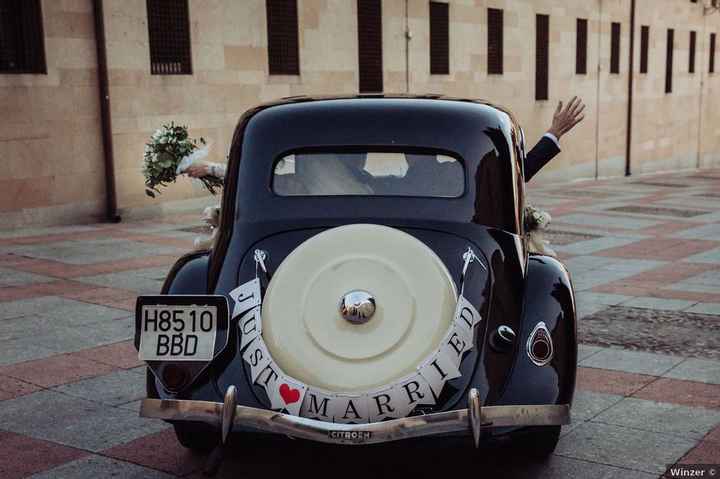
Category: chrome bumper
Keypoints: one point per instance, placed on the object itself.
(469, 420)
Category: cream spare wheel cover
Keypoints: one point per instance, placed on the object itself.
(311, 341)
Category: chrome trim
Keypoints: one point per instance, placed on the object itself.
(475, 410)
(378, 432)
(540, 333)
(357, 307)
(507, 334)
(228, 413)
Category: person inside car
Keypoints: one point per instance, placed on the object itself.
(545, 150)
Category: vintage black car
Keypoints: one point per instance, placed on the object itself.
(370, 282)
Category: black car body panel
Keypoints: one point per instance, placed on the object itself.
(518, 290)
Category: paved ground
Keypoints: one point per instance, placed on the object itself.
(645, 258)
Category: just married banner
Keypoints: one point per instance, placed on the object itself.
(394, 400)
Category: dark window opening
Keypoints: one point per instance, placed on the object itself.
(22, 47)
(615, 48)
(644, 43)
(542, 55)
(282, 33)
(693, 40)
(711, 67)
(439, 38)
(581, 45)
(169, 35)
(495, 41)
(669, 60)
(370, 45)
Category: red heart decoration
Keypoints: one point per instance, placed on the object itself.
(289, 395)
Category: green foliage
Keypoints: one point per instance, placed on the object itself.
(164, 152)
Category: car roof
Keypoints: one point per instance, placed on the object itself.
(484, 136)
(376, 101)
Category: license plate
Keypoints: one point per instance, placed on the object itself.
(177, 332)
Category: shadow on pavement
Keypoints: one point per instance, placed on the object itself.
(429, 459)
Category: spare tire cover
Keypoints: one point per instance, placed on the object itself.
(309, 338)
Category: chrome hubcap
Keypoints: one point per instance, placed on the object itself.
(357, 307)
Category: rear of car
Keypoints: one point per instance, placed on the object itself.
(369, 284)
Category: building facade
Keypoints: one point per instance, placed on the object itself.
(202, 63)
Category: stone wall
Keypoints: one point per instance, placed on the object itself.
(51, 163)
(52, 145)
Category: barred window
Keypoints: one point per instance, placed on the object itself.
(542, 55)
(615, 48)
(581, 45)
(711, 66)
(693, 41)
(169, 34)
(495, 41)
(22, 47)
(282, 33)
(644, 44)
(669, 60)
(439, 38)
(370, 61)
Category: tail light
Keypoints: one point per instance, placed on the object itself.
(539, 345)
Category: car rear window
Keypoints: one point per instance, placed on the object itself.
(369, 174)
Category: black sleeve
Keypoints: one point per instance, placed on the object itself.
(535, 159)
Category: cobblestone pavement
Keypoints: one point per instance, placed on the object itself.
(645, 258)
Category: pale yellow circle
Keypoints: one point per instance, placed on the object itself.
(309, 339)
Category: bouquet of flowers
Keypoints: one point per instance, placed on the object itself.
(170, 152)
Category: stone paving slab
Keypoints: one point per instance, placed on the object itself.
(114, 389)
(658, 303)
(673, 419)
(13, 352)
(700, 370)
(632, 361)
(559, 466)
(586, 350)
(93, 251)
(686, 393)
(626, 447)
(49, 307)
(61, 337)
(711, 256)
(73, 422)
(595, 245)
(601, 298)
(34, 306)
(45, 231)
(705, 308)
(55, 370)
(12, 277)
(100, 466)
(587, 404)
(605, 221)
(148, 281)
(21, 456)
(710, 231)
